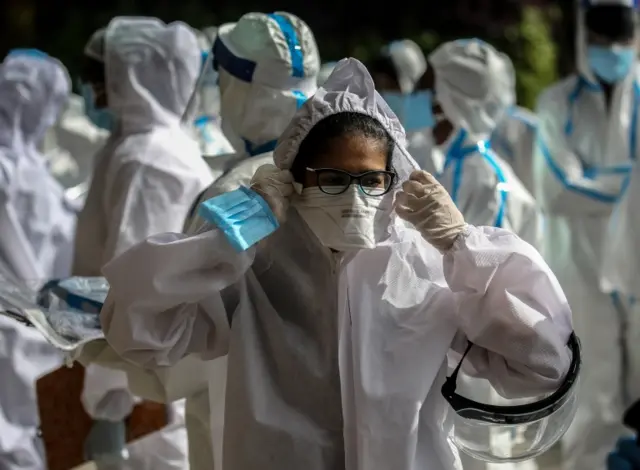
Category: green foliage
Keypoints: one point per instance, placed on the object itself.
(533, 52)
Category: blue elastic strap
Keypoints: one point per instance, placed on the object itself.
(33, 53)
(240, 68)
(559, 174)
(456, 155)
(301, 98)
(201, 124)
(243, 216)
(295, 50)
(485, 151)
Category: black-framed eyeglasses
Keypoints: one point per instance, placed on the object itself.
(371, 183)
(518, 414)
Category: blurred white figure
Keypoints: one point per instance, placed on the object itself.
(472, 86)
(36, 219)
(587, 142)
(146, 176)
(514, 140)
(36, 235)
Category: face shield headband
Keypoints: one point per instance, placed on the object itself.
(518, 414)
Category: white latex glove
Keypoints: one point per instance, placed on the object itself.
(427, 205)
(275, 186)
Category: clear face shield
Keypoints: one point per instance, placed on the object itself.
(493, 429)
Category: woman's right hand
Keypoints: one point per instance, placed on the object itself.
(275, 186)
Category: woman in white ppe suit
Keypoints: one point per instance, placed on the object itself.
(471, 86)
(337, 337)
(37, 220)
(587, 141)
(146, 177)
(262, 84)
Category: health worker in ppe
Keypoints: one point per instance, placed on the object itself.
(587, 141)
(146, 177)
(37, 220)
(514, 140)
(465, 92)
(36, 236)
(207, 123)
(267, 66)
(337, 325)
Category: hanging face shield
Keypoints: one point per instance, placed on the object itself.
(499, 430)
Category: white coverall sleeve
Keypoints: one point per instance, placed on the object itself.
(512, 308)
(144, 201)
(562, 187)
(165, 300)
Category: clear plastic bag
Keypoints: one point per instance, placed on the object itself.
(65, 312)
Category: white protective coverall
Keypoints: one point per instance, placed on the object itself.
(474, 85)
(37, 222)
(584, 152)
(336, 362)
(71, 144)
(145, 179)
(514, 140)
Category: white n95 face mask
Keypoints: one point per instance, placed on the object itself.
(348, 221)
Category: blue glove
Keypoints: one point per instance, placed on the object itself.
(626, 456)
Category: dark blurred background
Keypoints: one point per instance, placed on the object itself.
(537, 34)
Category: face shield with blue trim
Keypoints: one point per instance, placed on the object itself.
(267, 67)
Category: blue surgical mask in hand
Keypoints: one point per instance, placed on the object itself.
(611, 64)
(100, 117)
(243, 216)
(414, 110)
